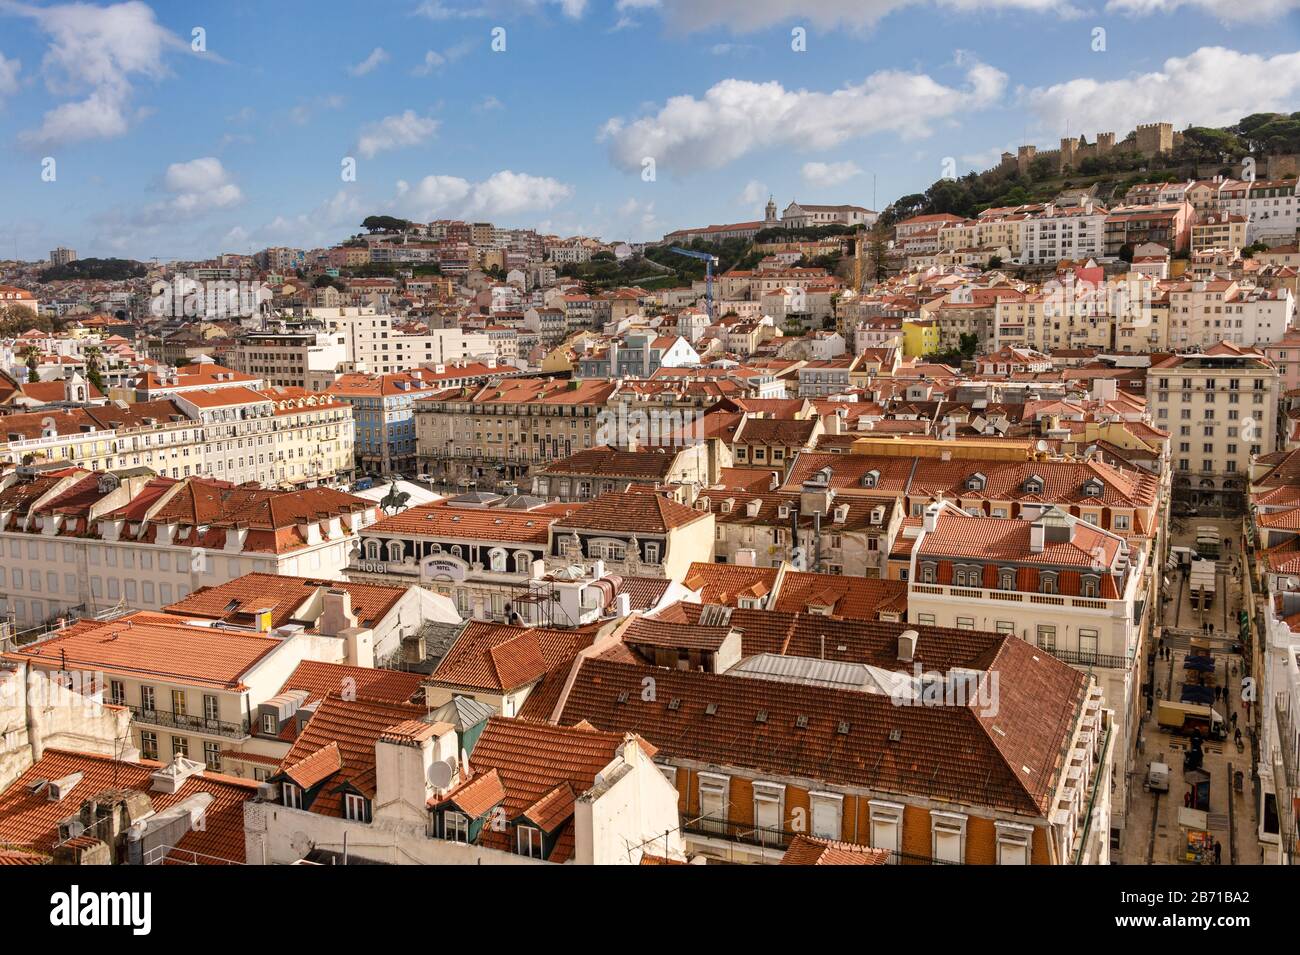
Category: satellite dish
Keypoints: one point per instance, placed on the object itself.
(464, 761)
(441, 773)
(1041, 445)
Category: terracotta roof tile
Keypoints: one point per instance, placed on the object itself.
(30, 820)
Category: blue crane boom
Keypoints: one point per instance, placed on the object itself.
(709, 262)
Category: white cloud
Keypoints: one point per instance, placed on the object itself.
(1240, 11)
(394, 132)
(100, 115)
(636, 220)
(435, 60)
(749, 16)
(9, 70)
(829, 173)
(736, 117)
(1211, 87)
(503, 193)
(437, 10)
(506, 193)
(753, 194)
(94, 53)
(319, 227)
(200, 185)
(489, 103)
(377, 58)
(303, 112)
(432, 61)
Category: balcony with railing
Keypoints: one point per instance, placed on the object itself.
(186, 721)
(748, 838)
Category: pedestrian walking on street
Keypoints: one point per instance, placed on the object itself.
(1234, 719)
(1218, 852)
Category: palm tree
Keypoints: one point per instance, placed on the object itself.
(94, 356)
(31, 356)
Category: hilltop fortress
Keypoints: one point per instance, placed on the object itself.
(1149, 139)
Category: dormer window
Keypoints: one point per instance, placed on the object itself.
(1032, 485)
(871, 478)
(1047, 583)
(528, 841)
(1006, 579)
(291, 796)
(927, 573)
(976, 482)
(1091, 586)
(356, 807)
(1092, 489)
(455, 827)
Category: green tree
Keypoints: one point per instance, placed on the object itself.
(32, 359)
(94, 356)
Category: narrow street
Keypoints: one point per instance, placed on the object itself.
(1154, 836)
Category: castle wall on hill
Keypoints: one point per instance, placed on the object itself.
(1149, 139)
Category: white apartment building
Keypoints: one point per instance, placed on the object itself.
(1220, 407)
(1271, 208)
(190, 687)
(1279, 702)
(1204, 313)
(291, 359)
(279, 436)
(273, 437)
(525, 793)
(1068, 587)
(75, 541)
(373, 344)
(1060, 232)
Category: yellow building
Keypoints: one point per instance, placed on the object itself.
(920, 338)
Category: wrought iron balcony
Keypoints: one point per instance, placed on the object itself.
(186, 721)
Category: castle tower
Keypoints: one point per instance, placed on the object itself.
(769, 212)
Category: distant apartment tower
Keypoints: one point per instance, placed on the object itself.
(62, 256)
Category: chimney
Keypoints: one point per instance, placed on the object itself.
(173, 776)
(1036, 537)
(336, 612)
(931, 516)
(907, 646)
(414, 761)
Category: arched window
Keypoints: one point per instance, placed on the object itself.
(1047, 583)
(523, 562)
(372, 550)
(927, 573)
(497, 560)
(394, 551)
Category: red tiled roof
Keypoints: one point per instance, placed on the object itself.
(500, 658)
(539, 770)
(319, 679)
(805, 850)
(1009, 760)
(30, 820)
(634, 510)
(151, 645)
(350, 727)
(237, 601)
(496, 524)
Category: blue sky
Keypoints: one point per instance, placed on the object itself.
(163, 150)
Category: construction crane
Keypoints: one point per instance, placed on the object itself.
(709, 262)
